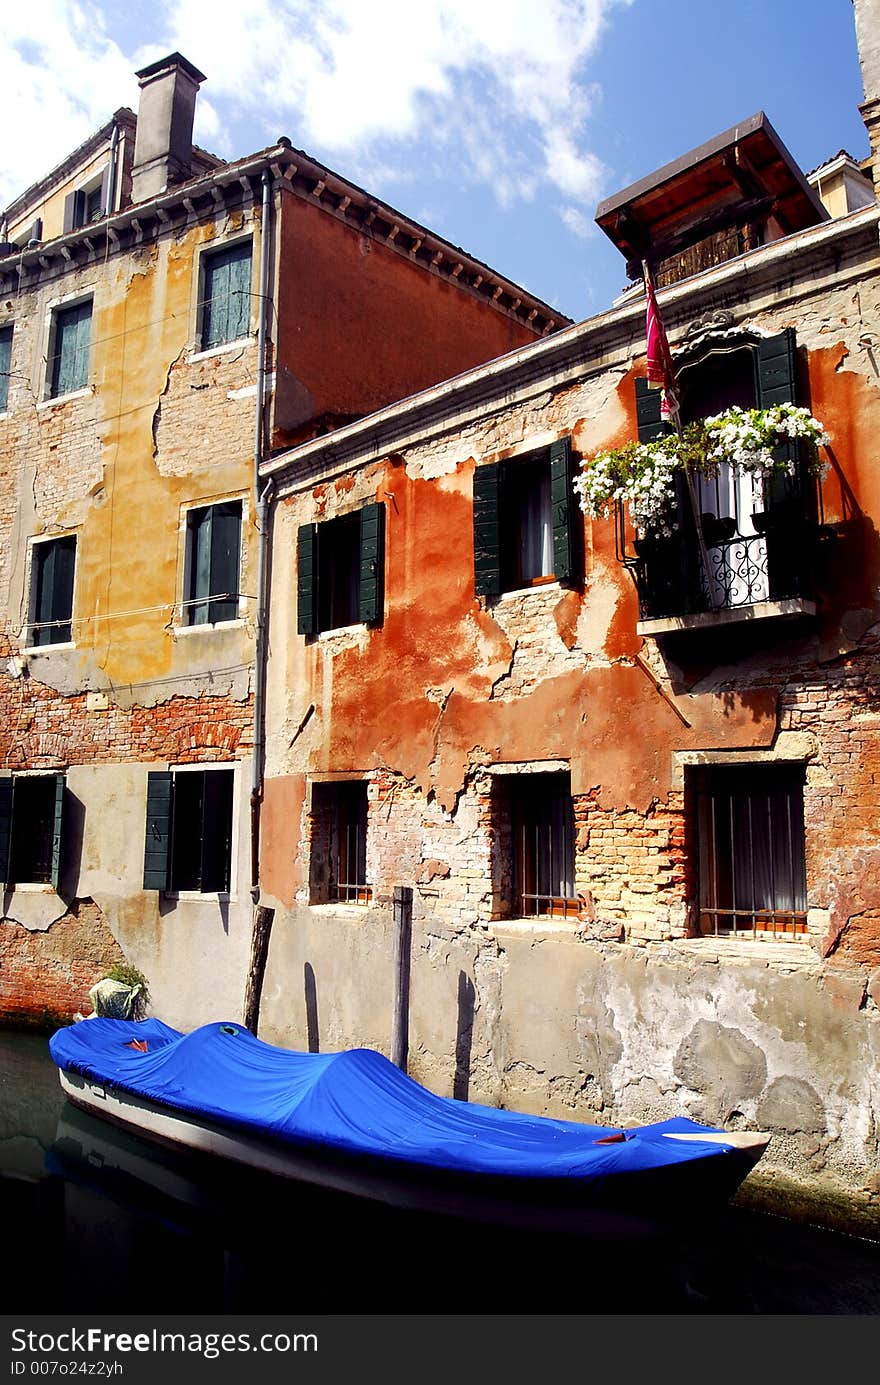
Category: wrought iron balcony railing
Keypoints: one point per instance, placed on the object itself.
(758, 545)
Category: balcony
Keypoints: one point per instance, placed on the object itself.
(754, 557)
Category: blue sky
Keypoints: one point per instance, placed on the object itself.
(498, 123)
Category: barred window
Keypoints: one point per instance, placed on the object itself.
(339, 843)
(752, 866)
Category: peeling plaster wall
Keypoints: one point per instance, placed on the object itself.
(193, 948)
(530, 1017)
(164, 426)
(450, 690)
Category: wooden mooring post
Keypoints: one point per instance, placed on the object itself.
(262, 927)
(403, 897)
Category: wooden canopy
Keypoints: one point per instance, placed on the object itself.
(742, 178)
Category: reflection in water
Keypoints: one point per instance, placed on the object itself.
(100, 1219)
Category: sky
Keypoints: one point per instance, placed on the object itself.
(499, 124)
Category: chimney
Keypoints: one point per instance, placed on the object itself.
(163, 145)
(867, 16)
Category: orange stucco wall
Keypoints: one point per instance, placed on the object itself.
(417, 695)
(361, 326)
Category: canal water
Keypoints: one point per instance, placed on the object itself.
(96, 1220)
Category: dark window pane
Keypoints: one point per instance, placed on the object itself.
(201, 849)
(716, 383)
(52, 590)
(217, 829)
(92, 205)
(339, 542)
(225, 553)
(752, 868)
(543, 835)
(351, 840)
(527, 521)
(33, 829)
(187, 830)
(338, 843)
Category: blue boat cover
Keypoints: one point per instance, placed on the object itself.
(355, 1101)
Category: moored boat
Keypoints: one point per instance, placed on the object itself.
(354, 1122)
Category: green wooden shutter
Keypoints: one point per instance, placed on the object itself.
(487, 530)
(70, 363)
(57, 832)
(72, 212)
(62, 591)
(307, 579)
(157, 845)
(200, 523)
(372, 564)
(648, 401)
(225, 546)
(776, 383)
(44, 581)
(5, 826)
(239, 310)
(776, 369)
(5, 365)
(227, 285)
(567, 565)
(214, 308)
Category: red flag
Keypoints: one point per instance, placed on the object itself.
(660, 369)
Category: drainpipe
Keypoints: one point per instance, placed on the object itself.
(262, 918)
(262, 512)
(111, 180)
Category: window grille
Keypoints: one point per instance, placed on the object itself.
(752, 870)
(543, 839)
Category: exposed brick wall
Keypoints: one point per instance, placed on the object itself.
(641, 868)
(45, 977)
(634, 865)
(41, 728)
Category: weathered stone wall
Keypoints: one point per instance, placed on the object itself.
(622, 1014)
(163, 426)
(532, 1017)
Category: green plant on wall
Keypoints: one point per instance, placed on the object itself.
(127, 975)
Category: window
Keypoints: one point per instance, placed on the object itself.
(526, 521)
(535, 815)
(88, 203)
(31, 822)
(71, 339)
(226, 295)
(189, 830)
(339, 843)
(755, 530)
(213, 554)
(51, 599)
(340, 571)
(750, 829)
(5, 364)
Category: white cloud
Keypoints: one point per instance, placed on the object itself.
(490, 91)
(578, 222)
(60, 79)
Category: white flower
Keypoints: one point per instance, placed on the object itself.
(642, 475)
